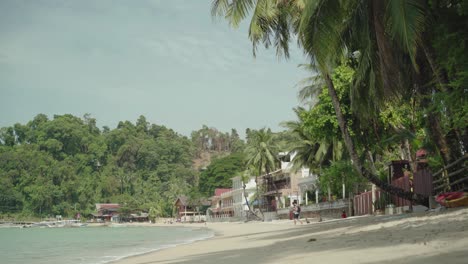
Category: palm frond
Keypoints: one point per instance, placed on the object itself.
(407, 20)
(322, 28)
(260, 25)
(219, 8)
(311, 86)
(238, 11)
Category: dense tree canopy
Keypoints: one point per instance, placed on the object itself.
(66, 164)
(219, 173)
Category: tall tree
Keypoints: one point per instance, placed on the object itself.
(261, 154)
(325, 29)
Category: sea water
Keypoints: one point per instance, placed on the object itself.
(90, 244)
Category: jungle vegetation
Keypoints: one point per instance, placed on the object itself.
(392, 73)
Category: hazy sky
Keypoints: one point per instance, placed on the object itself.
(117, 60)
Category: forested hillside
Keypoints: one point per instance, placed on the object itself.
(67, 164)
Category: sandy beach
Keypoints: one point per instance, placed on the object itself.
(409, 238)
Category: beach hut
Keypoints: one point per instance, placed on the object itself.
(106, 212)
(187, 210)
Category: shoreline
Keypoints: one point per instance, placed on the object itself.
(153, 251)
(409, 238)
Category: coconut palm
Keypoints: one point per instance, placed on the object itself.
(261, 154)
(306, 147)
(245, 178)
(326, 30)
(328, 27)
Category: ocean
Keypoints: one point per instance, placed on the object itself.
(90, 245)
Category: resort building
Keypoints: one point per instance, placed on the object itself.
(281, 187)
(221, 204)
(240, 206)
(107, 212)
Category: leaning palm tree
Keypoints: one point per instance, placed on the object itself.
(312, 152)
(326, 30)
(261, 154)
(328, 27)
(245, 178)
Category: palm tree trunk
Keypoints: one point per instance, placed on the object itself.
(246, 201)
(244, 191)
(342, 122)
(354, 157)
(246, 198)
(258, 194)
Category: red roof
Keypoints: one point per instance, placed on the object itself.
(219, 191)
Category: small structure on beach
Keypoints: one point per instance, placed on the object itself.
(106, 212)
(139, 217)
(188, 211)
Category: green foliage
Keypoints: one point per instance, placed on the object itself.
(219, 173)
(339, 172)
(154, 213)
(320, 122)
(66, 164)
(261, 151)
(403, 53)
(450, 40)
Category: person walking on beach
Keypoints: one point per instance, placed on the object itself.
(296, 211)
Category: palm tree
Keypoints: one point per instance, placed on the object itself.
(312, 151)
(306, 147)
(261, 154)
(245, 178)
(331, 26)
(325, 28)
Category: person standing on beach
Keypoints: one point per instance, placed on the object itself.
(296, 211)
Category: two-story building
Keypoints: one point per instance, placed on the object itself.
(221, 204)
(242, 199)
(281, 187)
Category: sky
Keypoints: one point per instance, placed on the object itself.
(116, 60)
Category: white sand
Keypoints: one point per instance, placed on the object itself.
(425, 238)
